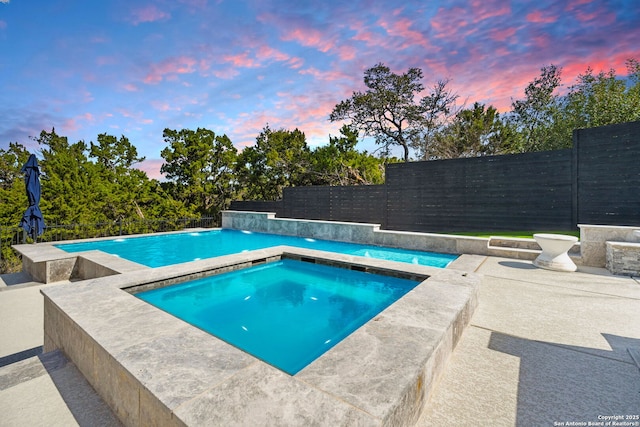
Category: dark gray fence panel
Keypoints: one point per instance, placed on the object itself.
(362, 203)
(350, 203)
(312, 202)
(609, 174)
(530, 191)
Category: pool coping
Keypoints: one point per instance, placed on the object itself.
(152, 368)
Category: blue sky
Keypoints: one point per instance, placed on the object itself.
(136, 67)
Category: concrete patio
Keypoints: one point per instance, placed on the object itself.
(543, 347)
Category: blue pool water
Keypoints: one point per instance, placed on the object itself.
(169, 249)
(286, 313)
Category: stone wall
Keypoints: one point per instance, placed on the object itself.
(593, 239)
(623, 258)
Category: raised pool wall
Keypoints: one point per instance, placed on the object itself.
(267, 222)
(613, 247)
(363, 233)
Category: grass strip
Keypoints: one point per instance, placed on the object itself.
(517, 234)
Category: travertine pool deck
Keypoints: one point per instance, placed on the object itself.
(542, 347)
(154, 369)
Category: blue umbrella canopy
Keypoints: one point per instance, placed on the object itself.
(32, 221)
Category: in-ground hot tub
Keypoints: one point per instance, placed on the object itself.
(286, 313)
(152, 368)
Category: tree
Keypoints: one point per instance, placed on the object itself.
(11, 162)
(438, 106)
(600, 99)
(115, 154)
(78, 190)
(476, 131)
(72, 190)
(545, 120)
(13, 201)
(128, 193)
(13, 198)
(278, 159)
(199, 169)
(535, 115)
(339, 163)
(388, 110)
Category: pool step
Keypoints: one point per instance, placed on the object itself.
(520, 248)
(513, 243)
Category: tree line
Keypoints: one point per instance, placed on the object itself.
(398, 111)
(204, 172)
(98, 182)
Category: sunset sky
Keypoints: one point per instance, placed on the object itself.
(136, 67)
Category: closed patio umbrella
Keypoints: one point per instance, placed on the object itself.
(32, 221)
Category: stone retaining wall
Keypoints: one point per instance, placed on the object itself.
(623, 258)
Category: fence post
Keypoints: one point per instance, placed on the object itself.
(575, 179)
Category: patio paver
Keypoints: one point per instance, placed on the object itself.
(543, 347)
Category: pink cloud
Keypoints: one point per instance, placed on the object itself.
(241, 60)
(163, 106)
(324, 76)
(402, 28)
(485, 9)
(363, 34)
(295, 62)
(585, 11)
(169, 68)
(268, 53)
(227, 73)
(538, 17)
(204, 64)
(130, 87)
(600, 17)
(309, 37)
(573, 4)
(74, 124)
(70, 125)
(128, 114)
(258, 56)
(541, 41)
(447, 23)
(148, 14)
(577, 66)
(503, 34)
(347, 53)
(308, 113)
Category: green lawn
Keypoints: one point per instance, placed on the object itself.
(519, 234)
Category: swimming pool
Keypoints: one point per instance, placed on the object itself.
(286, 313)
(176, 248)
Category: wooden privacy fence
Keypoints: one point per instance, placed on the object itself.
(595, 182)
